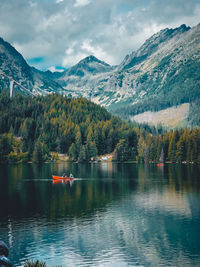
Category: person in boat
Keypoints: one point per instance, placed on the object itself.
(64, 175)
(71, 175)
(4, 261)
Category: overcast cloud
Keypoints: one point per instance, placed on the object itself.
(59, 33)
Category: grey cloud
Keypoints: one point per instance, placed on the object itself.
(170, 10)
(62, 32)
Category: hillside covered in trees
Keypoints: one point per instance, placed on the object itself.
(31, 128)
(77, 127)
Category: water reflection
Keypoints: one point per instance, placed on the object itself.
(112, 214)
(62, 181)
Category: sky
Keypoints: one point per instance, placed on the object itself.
(56, 34)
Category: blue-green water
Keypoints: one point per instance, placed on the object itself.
(111, 215)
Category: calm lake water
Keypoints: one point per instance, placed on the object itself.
(111, 215)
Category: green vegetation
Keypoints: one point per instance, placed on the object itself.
(35, 129)
(31, 128)
(176, 146)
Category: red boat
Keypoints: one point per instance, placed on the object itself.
(160, 164)
(62, 178)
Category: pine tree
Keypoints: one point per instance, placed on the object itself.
(83, 155)
(180, 151)
(172, 146)
(121, 152)
(38, 153)
(91, 150)
(141, 149)
(73, 152)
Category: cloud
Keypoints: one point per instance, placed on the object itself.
(80, 3)
(59, 1)
(63, 32)
(78, 51)
(54, 69)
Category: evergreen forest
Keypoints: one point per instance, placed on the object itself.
(37, 129)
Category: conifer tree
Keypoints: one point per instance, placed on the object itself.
(121, 152)
(37, 152)
(73, 152)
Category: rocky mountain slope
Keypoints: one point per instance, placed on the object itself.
(169, 76)
(85, 78)
(164, 72)
(14, 65)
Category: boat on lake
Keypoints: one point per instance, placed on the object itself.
(66, 178)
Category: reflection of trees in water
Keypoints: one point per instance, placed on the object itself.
(97, 187)
(99, 184)
(135, 209)
(171, 189)
(31, 191)
(184, 178)
(174, 177)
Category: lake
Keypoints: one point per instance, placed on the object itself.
(110, 215)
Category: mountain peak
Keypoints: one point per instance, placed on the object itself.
(151, 45)
(184, 27)
(91, 59)
(88, 65)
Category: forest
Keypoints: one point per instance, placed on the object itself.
(176, 146)
(32, 128)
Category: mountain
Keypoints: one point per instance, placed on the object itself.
(89, 65)
(86, 77)
(14, 65)
(151, 45)
(163, 73)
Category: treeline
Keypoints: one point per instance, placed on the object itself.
(174, 146)
(31, 128)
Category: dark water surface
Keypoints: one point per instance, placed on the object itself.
(111, 215)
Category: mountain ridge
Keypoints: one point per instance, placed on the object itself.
(143, 73)
(163, 72)
(151, 44)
